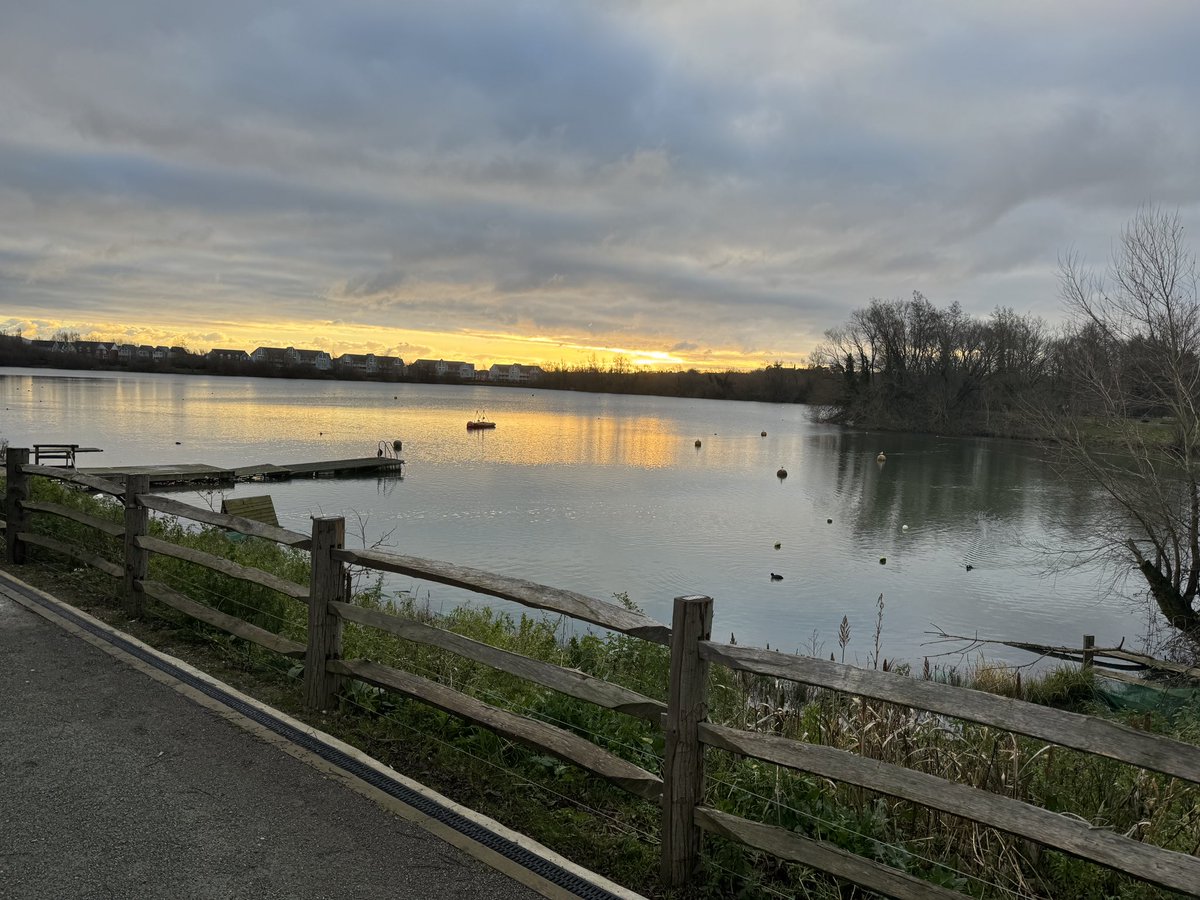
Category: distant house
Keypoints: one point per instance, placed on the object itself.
(273, 356)
(514, 373)
(370, 364)
(290, 356)
(447, 368)
(98, 350)
(313, 359)
(227, 356)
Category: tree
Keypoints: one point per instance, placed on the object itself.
(1131, 353)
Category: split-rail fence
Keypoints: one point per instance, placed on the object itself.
(679, 788)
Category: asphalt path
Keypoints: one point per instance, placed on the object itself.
(113, 785)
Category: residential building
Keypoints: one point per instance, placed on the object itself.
(514, 373)
(446, 368)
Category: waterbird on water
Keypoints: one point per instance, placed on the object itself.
(775, 577)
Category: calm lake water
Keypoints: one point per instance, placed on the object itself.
(603, 493)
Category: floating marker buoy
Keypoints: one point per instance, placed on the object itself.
(782, 473)
(764, 434)
(904, 528)
(883, 560)
(397, 446)
(829, 521)
(697, 442)
(881, 457)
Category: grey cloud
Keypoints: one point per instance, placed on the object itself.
(748, 175)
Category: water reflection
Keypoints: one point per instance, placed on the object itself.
(605, 494)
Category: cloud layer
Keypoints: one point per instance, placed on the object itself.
(708, 180)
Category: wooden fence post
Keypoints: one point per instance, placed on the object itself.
(137, 560)
(1089, 658)
(15, 493)
(683, 762)
(324, 626)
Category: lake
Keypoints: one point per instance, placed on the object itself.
(602, 493)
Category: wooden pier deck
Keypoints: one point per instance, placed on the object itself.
(188, 474)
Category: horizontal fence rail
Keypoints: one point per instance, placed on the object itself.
(527, 593)
(1068, 729)
(224, 566)
(571, 682)
(539, 735)
(683, 720)
(224, 520)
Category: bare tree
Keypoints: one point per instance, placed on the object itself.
(1129, 419)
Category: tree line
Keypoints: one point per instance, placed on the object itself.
(1114, 391)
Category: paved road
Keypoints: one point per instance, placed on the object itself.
(112, 785)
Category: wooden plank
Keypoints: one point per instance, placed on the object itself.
(224, 566)
(556, 741)
(587, 609)
(361, 464)
(571, 682)
(822, 856)
(326, 584)
(235, 626)
(1151, 662)
(1178, 871)
(104, 485)
(1079, 732)
(222, 520)
(683, 755)
(116, 529)
(91, 559)
(259, 508)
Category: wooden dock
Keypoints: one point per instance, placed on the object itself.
(189, 474)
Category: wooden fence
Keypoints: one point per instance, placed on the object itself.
(679, 788)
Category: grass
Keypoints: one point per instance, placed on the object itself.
(606, 829)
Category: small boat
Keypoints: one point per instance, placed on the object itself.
(479, 423)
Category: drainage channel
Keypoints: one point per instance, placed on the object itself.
(550, 871)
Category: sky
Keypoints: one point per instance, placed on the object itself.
(684, 184)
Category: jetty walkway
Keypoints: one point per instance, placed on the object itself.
(120, 779)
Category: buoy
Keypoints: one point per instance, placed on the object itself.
(881, 457)
(397, 446)
(904, 528)
(829, 521)
(764, 434)
(775, 577)
(883, 560)
(782, 473)
(778, 544)
(697, 442)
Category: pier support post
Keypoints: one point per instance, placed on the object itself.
(16, 492)
(1089, 644)
(324, 626)
(137, 560)
(683, 761)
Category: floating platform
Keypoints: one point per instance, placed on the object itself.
(187, 474)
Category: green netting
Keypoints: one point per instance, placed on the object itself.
(1163, 698)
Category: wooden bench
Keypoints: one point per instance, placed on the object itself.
(260, 509)
(60, 452)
